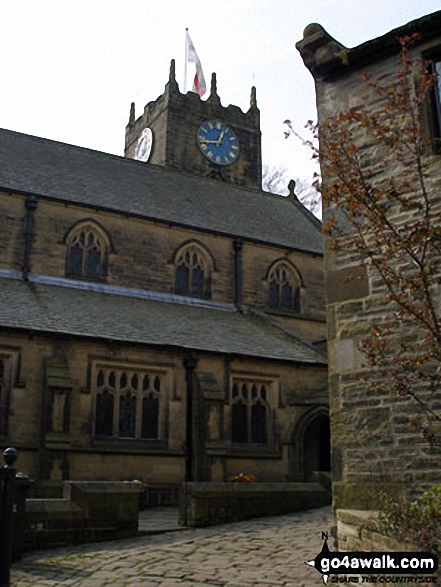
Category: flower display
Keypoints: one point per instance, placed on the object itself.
(241, 478)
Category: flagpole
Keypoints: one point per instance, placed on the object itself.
(185, 61)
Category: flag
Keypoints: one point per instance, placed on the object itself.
(199, 85)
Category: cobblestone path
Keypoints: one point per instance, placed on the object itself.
(268, 552)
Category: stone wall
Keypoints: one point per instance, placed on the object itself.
(357, 532)
(373, 445)
(88, 512)
(144, 262)
(208, 504)
(77, 454)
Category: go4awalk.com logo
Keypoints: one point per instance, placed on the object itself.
(375, 567)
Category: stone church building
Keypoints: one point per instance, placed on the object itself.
(161, 317)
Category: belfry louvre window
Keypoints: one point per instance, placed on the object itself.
(87, 249)
(193, 272)
(284, 288)
(249, 412)
(128, 402)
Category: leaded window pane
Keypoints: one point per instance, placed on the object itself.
(100, 379)
(104, 414)
(127, 403)
(286, 301)
(75, 262)
(273, 294)
(282, 289)
(86, 254)
(258, 424)
(182, 276)
(127, 416)
(150, 417)
(93, 263)
(239, 422)
(197, 282)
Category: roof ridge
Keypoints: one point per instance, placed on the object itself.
(51, 309)
(150, 166)
(104, 181)
(275, 326)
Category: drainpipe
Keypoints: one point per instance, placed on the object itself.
(31, 206)
(190, 364)
(238, 246)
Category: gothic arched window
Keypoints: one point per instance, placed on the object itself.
(87, 250)
(284, 287)
(193, 268)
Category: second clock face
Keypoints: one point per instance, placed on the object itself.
(217, 143)
(144, 145)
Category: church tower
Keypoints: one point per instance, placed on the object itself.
(182, 132)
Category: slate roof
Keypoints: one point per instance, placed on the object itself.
(64, 172)
(38, 307)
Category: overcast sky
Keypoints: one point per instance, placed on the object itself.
(70, 69)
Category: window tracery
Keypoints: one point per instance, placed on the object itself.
(249, 412)
(128, 403)
(284, 287)
(87, 251)
(193, 270)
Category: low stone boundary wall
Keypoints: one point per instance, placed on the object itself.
(88, 512)
(207, 504)
(356, 530)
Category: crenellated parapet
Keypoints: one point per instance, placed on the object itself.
(326, 58)
(174, 120)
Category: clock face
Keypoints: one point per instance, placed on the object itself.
(144, 145)
(217, 142)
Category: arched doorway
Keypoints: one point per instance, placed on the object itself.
(311, 445)
(317, 447)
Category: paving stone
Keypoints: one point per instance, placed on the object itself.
(267, 552)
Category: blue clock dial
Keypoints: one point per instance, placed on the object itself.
(217, 143)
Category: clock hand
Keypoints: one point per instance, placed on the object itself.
(208, 141)
(221, 136)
